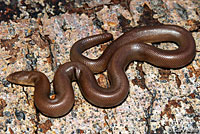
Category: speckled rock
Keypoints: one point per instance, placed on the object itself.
(39, 35)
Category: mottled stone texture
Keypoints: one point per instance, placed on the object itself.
(38, 35)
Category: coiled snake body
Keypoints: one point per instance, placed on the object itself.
(131, 46)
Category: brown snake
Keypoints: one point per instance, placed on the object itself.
(131, 46)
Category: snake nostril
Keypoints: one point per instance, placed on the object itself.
(9, 77)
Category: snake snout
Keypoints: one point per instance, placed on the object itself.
(11, 78)
(19, 78)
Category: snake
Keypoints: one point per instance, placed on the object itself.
(130, 46)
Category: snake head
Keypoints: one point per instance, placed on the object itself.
(21, 78)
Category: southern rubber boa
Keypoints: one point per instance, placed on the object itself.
(131, 46)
